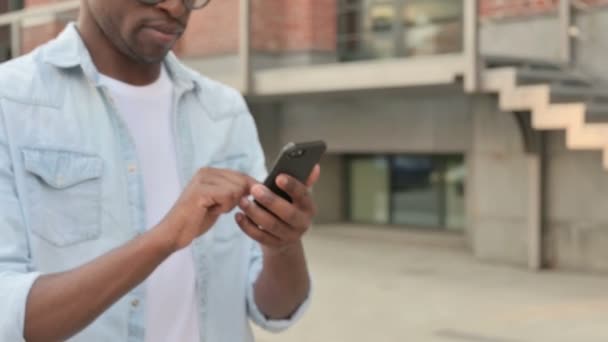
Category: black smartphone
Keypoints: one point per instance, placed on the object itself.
(296, 160)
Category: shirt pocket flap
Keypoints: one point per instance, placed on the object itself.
(62, 169)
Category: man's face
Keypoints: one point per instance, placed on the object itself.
(145, 33)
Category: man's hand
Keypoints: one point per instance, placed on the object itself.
(282, 224)
(210, 193)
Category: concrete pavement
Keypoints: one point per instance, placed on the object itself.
(374, 284)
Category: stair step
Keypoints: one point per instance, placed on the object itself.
(492, 61)
(525, 98)
(597, 113)
(561, 94)
(587, 137)
(526, 76)
(499, 79)
(558, 99)
(558, 116)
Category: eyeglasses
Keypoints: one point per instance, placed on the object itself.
(190, 4)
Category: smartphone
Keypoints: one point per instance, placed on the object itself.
(296, 160)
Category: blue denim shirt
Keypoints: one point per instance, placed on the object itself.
(70, 189)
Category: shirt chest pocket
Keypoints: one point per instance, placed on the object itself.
(63, 195)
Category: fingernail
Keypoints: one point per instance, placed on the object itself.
(238, 217)
(282, 181)
(244, 203)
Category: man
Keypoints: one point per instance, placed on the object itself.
(124, 180)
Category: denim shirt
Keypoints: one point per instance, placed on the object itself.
(70, 189)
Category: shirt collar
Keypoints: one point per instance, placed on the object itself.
(69, 51)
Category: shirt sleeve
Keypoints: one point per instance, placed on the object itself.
(16, 279)
(254, 311)
(259, 172)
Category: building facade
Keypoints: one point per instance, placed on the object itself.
(383, 82)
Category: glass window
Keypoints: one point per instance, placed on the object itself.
(371, 29)
(349, 26)
(410, 190)
(15, 4)
(432, 27)
(415, 191)
(380, 30)
(454, 182)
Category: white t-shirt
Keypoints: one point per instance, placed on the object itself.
(171, 297)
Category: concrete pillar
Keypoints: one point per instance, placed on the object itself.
(535, 211)
(505, 189)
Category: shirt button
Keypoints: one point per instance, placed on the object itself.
(132, 168)
(135, 303)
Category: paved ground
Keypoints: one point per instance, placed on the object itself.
(378, 285)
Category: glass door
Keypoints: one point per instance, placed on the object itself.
(369, 190)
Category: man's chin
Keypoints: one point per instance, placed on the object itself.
(148, 54)
(151, 58)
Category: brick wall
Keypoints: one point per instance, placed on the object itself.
(213, 30)
(282, 25)
(277, 26)
(515, 8)
(509, 8)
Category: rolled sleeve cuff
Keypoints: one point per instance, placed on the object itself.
(14, 291)
(273, 325)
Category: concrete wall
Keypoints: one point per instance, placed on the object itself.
(268, 119)
(228, 65)
(330, 192)
(430, 120)
(498, 202)
(539, 37)
(577, 209)
(532, 37)
(576, 219)
(592, 49)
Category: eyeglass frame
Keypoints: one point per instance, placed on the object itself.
(185, 2)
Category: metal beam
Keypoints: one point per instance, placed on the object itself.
(16, 39)
(471, 46)
(245, 45)
(565, 36)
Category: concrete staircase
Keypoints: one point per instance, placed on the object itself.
(557, 99)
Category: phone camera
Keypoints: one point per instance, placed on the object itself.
(296, 154)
